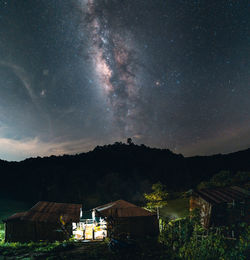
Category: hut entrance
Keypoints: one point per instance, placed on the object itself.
(89, 229)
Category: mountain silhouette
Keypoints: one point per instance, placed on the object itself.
(111, 172)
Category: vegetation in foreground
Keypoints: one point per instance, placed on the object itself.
(33, 250)
(179, 239)
(187, 239)
(146, 249)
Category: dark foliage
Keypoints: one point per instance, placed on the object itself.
(111, 172)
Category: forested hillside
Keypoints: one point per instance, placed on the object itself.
(111, 172)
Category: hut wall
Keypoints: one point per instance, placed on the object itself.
(222, 213)
(204, 207)
(137, 226)
(51, 231)
(246, 211)
(19, 231)
(229, 213)
(24, 231)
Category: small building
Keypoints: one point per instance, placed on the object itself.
(51, 221)
(44, 221)
(124, 218)
(221, 206)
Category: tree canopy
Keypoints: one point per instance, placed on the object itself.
(158, 197)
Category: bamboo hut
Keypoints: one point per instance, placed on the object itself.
(221, 206)
(44, 221)
(126, 218)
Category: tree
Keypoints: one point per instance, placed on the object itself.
(157, 198)
(129, 141)
(225, 178)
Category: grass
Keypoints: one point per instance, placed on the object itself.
(146, 249)
(1, 232)
(32, 249)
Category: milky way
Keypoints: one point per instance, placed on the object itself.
(114, 63)
(79, 73)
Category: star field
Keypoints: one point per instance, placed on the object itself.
(79, 73)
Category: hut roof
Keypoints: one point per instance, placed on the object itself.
(122, 208)
(223, 195)
(45, 211)
(16, 216)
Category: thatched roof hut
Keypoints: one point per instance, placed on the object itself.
(221, 206)
(127, 218)
(44, 221)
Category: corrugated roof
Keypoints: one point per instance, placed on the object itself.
(122, 208)
(223, 195)
(45, 211)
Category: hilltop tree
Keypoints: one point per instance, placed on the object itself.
(129, 141)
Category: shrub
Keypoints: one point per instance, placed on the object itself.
(187, 239)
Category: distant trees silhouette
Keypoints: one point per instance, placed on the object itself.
(109, 172)
(226, 178)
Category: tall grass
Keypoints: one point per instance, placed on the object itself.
(1, 232)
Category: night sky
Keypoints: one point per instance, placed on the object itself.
(167, 73)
